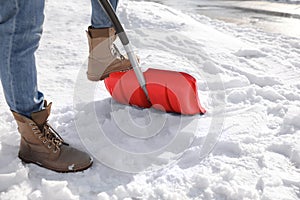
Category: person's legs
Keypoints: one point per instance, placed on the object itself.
(20, 31)
(104, 57)
(99, 18)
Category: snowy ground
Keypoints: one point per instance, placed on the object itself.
(257, 74)
(287, 1)
(273, 17)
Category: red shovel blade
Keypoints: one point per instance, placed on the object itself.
(169, 91)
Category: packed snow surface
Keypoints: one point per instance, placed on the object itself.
(248, 80)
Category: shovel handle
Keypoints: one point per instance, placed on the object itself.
(125, 41)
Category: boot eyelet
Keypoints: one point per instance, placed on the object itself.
(49, 146)
(44, 141)
(54, 151)
(35, 132)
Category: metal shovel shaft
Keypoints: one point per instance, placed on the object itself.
(124, 39)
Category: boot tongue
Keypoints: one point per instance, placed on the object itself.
(41, 117)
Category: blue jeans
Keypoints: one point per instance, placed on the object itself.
(21, 24)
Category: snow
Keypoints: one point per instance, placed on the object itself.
(248, 80)
(56, 190)
(71, 167)
(287, 1)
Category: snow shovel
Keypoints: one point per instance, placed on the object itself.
(164, 90)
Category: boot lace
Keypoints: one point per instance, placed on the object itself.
(115, 51)
(47, 134)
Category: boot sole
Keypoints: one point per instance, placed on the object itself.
(106, 75)
(28, 161)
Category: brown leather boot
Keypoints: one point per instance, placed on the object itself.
(104, 56)
(41, 144)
